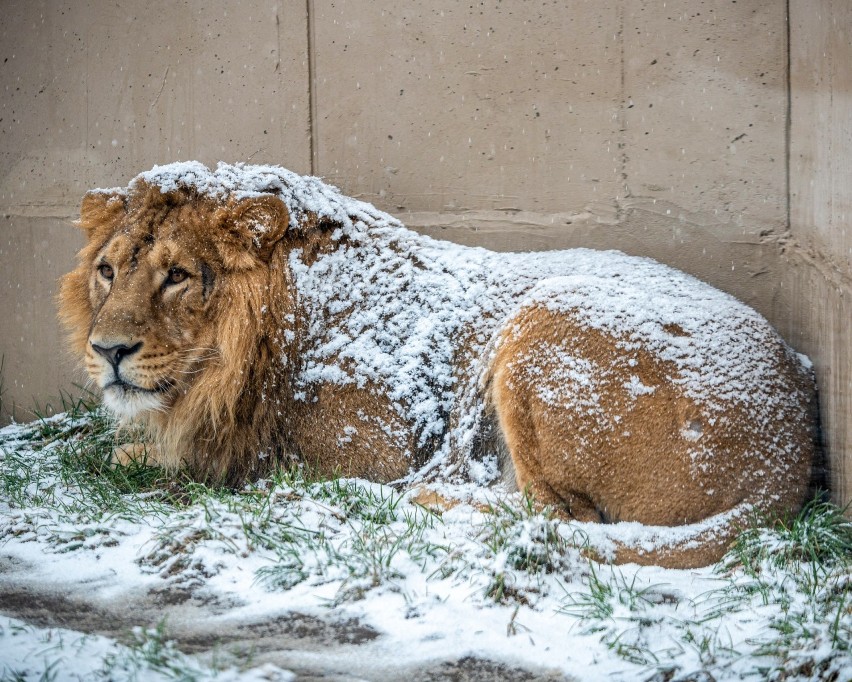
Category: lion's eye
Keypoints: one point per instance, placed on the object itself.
(176, 276)
(105, 270)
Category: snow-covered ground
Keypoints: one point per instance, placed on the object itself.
(113, 575)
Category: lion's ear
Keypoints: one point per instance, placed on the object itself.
(101, 209)
(262, 221)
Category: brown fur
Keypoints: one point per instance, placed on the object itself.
(216, 361)
(640, 468)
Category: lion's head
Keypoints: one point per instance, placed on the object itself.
(169, 301)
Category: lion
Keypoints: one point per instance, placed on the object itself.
(247, 317)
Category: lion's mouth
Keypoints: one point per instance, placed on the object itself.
(127, 401)
(123, 386)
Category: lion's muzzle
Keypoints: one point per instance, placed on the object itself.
(115, 367)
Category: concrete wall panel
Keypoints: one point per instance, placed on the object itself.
(819, 248)
(453, 106)
(705, 85)
(96, 92)
(32, 251)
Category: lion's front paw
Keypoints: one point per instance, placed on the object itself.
(127, 453)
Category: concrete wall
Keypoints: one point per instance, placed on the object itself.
(815, 311)
(709, 134)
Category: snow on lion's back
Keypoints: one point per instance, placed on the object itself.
(390, 305)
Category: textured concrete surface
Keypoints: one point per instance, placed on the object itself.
(816, 306)
(674, 130)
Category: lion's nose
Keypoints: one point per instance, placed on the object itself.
(115, 354)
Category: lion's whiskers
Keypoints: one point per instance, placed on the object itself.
(198, 370)
(213, 352)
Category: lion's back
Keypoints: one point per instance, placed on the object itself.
(419, 317)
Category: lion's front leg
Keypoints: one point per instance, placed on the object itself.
(140, 453)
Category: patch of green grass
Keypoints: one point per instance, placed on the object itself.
(796, 572)
(371, 534)
(813, 551)
(529, 539)
(355, 500)
(341, 529)
(628, 616)
(150, 651)
(802, 565)
(594, 604)
(817, 539)
(612, 595)
(528, 544)
(59, 468)
(371, 551)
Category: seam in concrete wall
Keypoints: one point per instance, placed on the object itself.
(788, 123)
(312, 85)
